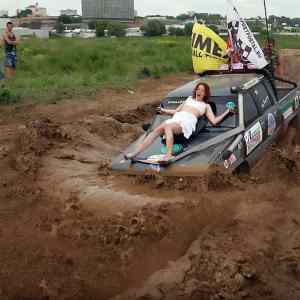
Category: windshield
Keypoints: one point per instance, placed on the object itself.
(220, 103)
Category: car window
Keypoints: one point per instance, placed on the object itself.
(250, 109)
(219, 106)
(261, 97)
(270, 89)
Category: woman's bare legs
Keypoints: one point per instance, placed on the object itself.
(168, 129)
(147, 141)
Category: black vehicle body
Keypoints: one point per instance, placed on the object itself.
(265, 105)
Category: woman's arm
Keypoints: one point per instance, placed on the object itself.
(172, 111)
(212, 118)
(168, 111)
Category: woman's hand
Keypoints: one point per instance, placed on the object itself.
(232, 110)
(159, 110)
(231, 107)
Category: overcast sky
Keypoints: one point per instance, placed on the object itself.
(247, 8)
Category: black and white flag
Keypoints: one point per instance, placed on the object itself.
(244, 41)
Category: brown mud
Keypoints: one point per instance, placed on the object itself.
(72, 229)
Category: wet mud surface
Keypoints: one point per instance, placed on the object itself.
(70, 228)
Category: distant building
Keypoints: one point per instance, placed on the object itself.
(176, 26)
(45, 22)
(108, 9)
(3, 13)
(69, 12)
(156, 18)
(134, 31)
(37, 11)
(3, 22)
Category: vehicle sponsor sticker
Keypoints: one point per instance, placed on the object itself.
(265, 102)
(288, 112)
(155, 158)
(271, 124)
(155, 168)
(175, 101)
(253, 137)
(230, 161)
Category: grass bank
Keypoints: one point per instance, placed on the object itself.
(59, 68)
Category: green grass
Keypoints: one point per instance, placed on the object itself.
(283, 41)
(62, 68)
(287, 42)
(59, 68)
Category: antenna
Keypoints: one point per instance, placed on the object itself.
(267, 24)
(269, 41)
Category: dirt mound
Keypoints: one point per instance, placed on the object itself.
(32, 142)
(138, 115)
(228, 263)
(290, 61)
(109, 128)
(282, 162)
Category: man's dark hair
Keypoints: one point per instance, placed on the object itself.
(9, 23)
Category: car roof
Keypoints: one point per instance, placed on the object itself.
(220, 84)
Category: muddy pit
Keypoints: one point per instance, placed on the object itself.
(72, 229)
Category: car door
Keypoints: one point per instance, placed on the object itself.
(268, 109)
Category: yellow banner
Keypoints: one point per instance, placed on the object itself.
(208, 49)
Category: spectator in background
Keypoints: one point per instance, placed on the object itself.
(1, 63)
(10, 41)
(274, 57)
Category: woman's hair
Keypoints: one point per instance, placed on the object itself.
(207, 91)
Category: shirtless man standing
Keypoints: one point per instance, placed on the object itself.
(10, 48)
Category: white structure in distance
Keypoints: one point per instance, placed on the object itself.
(36, 10)
(3, 13)
(69, 12)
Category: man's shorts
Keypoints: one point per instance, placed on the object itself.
(11, 60)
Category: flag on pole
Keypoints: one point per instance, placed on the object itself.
(243, 40)
(209, 51)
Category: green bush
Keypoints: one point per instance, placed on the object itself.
(69, 19)
(113, 28)
(116, 29)
(154, 28)
(60, 27)
(7, 96)
(176, 31)
(188, 28)
(100, 27)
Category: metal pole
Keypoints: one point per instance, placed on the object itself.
(270, 48)
(267, 24)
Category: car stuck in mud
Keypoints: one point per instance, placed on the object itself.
(264, 106)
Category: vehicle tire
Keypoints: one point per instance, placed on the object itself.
(242, 169)
(296, 125)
